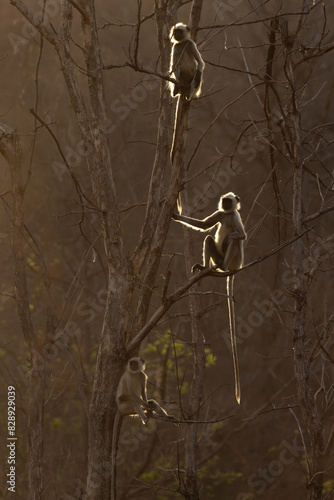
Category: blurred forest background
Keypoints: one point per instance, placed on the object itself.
(91, 270)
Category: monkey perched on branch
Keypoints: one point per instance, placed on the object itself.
(225, 251)
(186, 64)
(131, 399)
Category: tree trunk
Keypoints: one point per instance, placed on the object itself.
(198, 345)
(191, 443)
(308, 405)
(10, 148)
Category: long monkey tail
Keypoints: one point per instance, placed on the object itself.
(178, 114)
(179, 127)
(115, 435)
(230, 303)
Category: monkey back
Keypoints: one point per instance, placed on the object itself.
(184, 63)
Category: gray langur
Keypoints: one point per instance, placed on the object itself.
(186, 66)
(186, 63)
(225, 251)
(131, 399)
(131, 394)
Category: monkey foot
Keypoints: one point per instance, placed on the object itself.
(197, 267)
(220, 265)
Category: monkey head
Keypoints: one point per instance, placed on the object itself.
(179, 33)
(136, 365)
(229, 202)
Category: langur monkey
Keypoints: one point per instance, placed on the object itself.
(131, 399)
(186, 66)
(131, 394)
(225, 251)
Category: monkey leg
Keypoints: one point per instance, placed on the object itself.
(210, 251)
(233, 257)
(176, 90)
(153, 406)
(141, 413)
(155, 409)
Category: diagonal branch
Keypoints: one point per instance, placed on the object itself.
(37, 23)
(179, 293)
(79, 8)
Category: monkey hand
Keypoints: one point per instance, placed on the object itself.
(145, 420)
(171, 418)
(175, 217)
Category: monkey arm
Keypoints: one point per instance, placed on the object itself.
(198, 78)
(173, 62)
(153, 406)
(198, 57)
(155, 409)
(237, 236)
(138, 401)
(144, 394)
(239, 232)
(199, 224)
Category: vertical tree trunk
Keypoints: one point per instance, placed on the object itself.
(308, 405)
(191, 444)
(197, 340)
(36, 396)
(10, 148)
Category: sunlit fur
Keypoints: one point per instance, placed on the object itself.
(186, 63)
(131, 394)
(184, 28)
(225, 251)
(235, 205)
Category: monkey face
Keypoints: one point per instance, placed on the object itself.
(227, 203)
(178, 34)
(136, 365)
(133, 365)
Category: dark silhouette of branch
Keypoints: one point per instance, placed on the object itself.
(179, 293)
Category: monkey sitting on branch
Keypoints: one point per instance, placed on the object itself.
(186, 66)
(131, 394)
(225, 251)
(186, 63)
(131, 399)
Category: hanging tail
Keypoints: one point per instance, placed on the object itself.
(230, 303)
(116, 432)
(176, 134)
